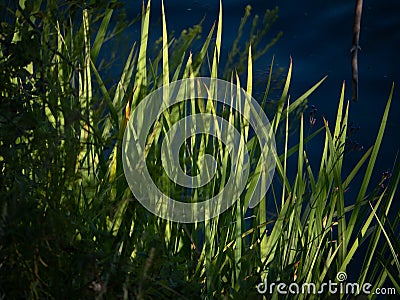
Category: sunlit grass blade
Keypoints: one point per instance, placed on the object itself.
(141, 69)
(101, 32)
(296, 103)
(165, 71)
(283, 99)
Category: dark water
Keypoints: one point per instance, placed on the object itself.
(318, 37)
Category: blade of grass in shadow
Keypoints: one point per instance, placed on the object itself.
(373, 245)
(354, 215)
(390, 272)
(364, 233)
(392, 250)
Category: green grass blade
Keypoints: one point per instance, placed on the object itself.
(354, 216)
(387, 239)
(141, 71)
(303, 97)
(164, 47)
(99, 40)
(283, 99)
(357, 168)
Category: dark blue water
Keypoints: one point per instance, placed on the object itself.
(318, 37)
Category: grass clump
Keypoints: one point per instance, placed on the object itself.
(70, 226)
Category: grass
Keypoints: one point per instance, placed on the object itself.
(70, 226)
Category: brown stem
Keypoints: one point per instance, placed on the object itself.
(356, 47)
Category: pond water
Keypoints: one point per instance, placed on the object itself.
(318, 36)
